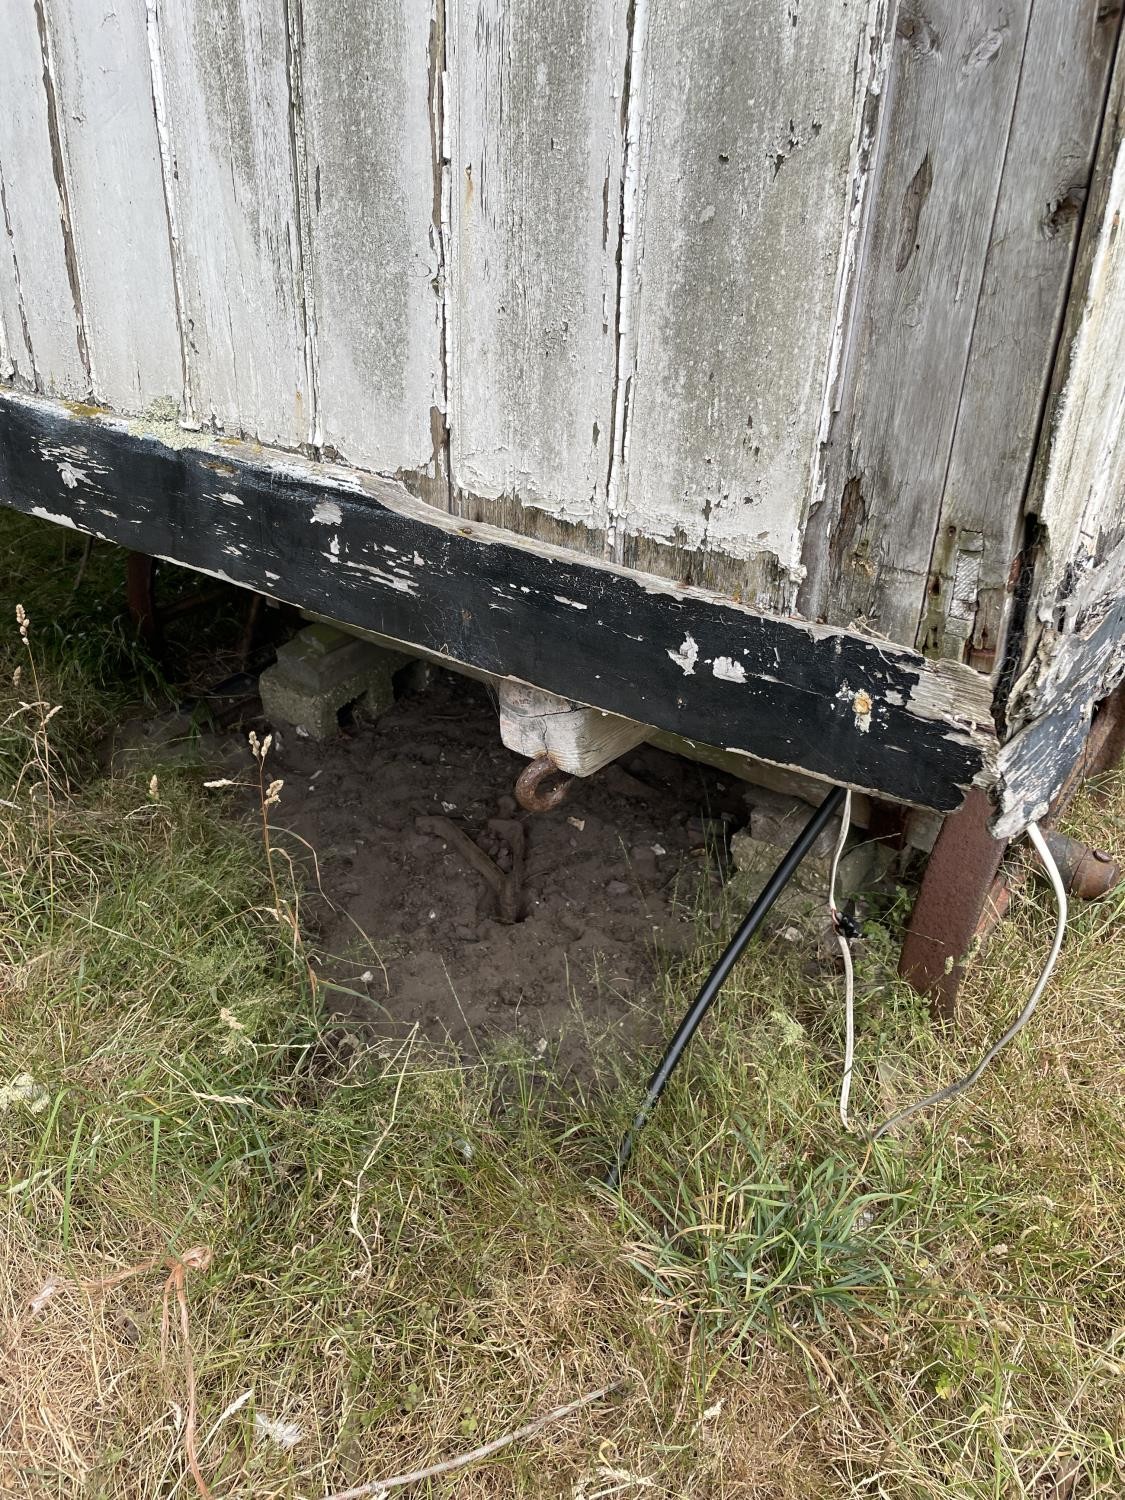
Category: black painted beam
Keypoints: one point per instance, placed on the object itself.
(833, 703)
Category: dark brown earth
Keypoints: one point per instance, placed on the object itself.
(411, 932)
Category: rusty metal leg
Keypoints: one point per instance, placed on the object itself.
(951, 901)
(140, 592)
(250, 629)
(1106, 745)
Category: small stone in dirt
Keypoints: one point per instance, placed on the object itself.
(506, 806)
(616, 888)
(466, 934)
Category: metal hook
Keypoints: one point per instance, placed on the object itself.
(529, 789)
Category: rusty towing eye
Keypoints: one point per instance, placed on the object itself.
(541, 785)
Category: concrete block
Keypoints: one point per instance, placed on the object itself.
(320, 671)
(777, 819)
(858, 867)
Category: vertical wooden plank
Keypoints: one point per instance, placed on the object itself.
(370, 94)
(224, 76)
(1019, 314)
(535, 144)
(954, 72)
(15, 356)
(1079, 490)
(101, 63)
(747, 142)
(40, 297)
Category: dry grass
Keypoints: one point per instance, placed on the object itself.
(409, 1257)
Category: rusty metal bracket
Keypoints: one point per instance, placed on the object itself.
(955, 887)
(541, 785)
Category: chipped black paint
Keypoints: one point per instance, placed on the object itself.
(506, 605)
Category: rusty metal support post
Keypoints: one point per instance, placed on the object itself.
(951, 900)
(140, 592)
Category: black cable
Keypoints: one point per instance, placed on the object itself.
(717, 977)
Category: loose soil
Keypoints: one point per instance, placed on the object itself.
(411, 932)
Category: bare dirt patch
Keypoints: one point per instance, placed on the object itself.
(416, 934)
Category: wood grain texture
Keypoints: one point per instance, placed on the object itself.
(748, 123)
(535, 145)
(42, 321)
(578, 740)
(116, 195)
(952, 85)
(1082, 669)
(13, 341)
(1081, 503)
(1019, 315)
(364, 103)
(233, 195)
(1071, 648)
(362, 551)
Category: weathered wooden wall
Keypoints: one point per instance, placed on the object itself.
(986, 141)
(1070, 652)
(763, 298)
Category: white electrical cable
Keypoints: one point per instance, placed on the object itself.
(952, 1089)
(846, 954)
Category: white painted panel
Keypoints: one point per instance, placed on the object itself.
(100, 60)
(225, 87)
(1083, 505)
(535, 137)
(746, 129)
(369, 144)
(14, 357)
(36, 280)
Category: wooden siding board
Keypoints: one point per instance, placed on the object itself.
(365, 77)
(1081, 505)
(1072, 651)
(952, 85)
(1027, 276)
(362, 551)
(15, 355)
(226, 97)
(117, 200)
(39, 296)
(746, 147)
(535, 147)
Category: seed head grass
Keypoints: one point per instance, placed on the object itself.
(408, 1256)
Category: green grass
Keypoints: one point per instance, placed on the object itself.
(410, 1257)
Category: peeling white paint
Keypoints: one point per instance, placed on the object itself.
(686, 656)
(388, 580)
(728, 669)
(574, 604)
(47, 515)
(334, 546)
(327, 513)
(72, 477)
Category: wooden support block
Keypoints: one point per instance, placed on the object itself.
(579, 740)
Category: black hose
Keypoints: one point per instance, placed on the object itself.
(715, 980)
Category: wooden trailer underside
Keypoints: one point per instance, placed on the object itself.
(835, 704)
(363, 551)
(751, 372)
